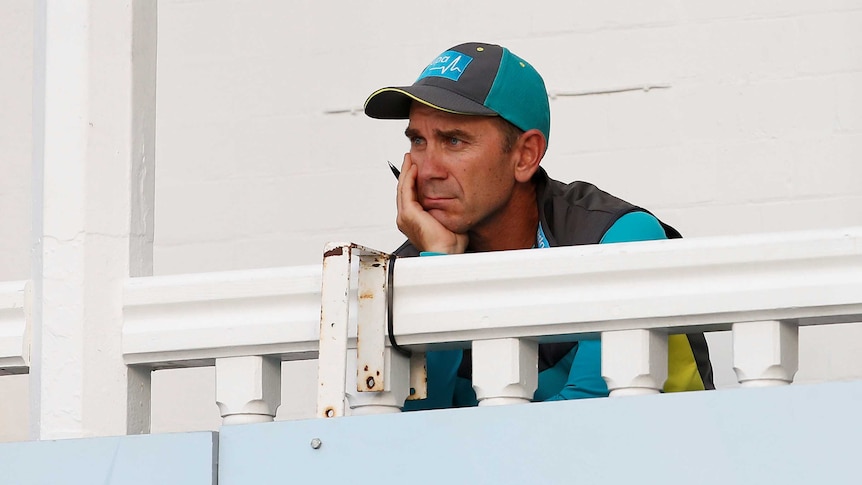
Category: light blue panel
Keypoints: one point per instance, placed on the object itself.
(797, 434)
(162, 459)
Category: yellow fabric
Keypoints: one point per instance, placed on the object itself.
(682, 374)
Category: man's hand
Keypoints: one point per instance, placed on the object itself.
(421, 228)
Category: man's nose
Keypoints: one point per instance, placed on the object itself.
(431, 164)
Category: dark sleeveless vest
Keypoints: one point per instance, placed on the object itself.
(571, 215)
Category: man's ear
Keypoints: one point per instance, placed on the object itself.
(530, 149)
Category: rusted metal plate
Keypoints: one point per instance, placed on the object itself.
(334, 318)
(371, 322)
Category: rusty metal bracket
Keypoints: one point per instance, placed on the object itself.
(371, 318)
(334, 318)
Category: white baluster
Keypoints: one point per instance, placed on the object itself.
(396, 379)
(634, 362)
(505, 371)
(765, 353)
(248, 389)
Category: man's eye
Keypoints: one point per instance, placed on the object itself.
(417, 140)
(453, 141)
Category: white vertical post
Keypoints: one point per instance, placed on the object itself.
(634, 362)
(505, 371)
(93, 165)
(765, 353)
(334, 315)
(248, 389)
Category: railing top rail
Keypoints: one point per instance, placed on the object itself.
(221, 285)
(700, 283)
(189, 320)
(703, 283)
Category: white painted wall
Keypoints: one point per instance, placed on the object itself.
(760, 131)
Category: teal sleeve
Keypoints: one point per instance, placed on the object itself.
(585, 376)
(634, 226)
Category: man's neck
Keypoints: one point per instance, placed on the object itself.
(514, 227)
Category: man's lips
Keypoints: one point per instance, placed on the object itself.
(435, 202)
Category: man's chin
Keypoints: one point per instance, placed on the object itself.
(449, 221)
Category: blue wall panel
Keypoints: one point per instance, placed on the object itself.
(797, 434)
(163, 459)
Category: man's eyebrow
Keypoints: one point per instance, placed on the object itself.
(454, 133)
(442, 134)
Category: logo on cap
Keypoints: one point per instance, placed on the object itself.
(450, 64)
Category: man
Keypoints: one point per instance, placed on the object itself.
(479, 124)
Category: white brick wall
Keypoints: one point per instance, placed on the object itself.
(760, 130)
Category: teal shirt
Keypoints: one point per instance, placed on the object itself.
(577, 375)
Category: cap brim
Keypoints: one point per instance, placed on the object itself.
(393, 103)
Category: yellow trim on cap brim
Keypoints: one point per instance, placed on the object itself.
(426, 103)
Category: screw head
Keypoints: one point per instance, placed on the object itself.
(369, 382)
(316, 443)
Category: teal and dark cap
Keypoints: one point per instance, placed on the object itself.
(472, 79)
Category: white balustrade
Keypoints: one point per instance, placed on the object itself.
(634, 362)
(765, 353)
(632, 295)
(505, 371)
(629, 295)
(248, 389)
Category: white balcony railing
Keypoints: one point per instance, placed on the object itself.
(502, 304)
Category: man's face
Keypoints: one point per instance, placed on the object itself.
(465, 177)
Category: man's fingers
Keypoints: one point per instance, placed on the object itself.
(407, 204)
(407, 185)
(399, 191)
